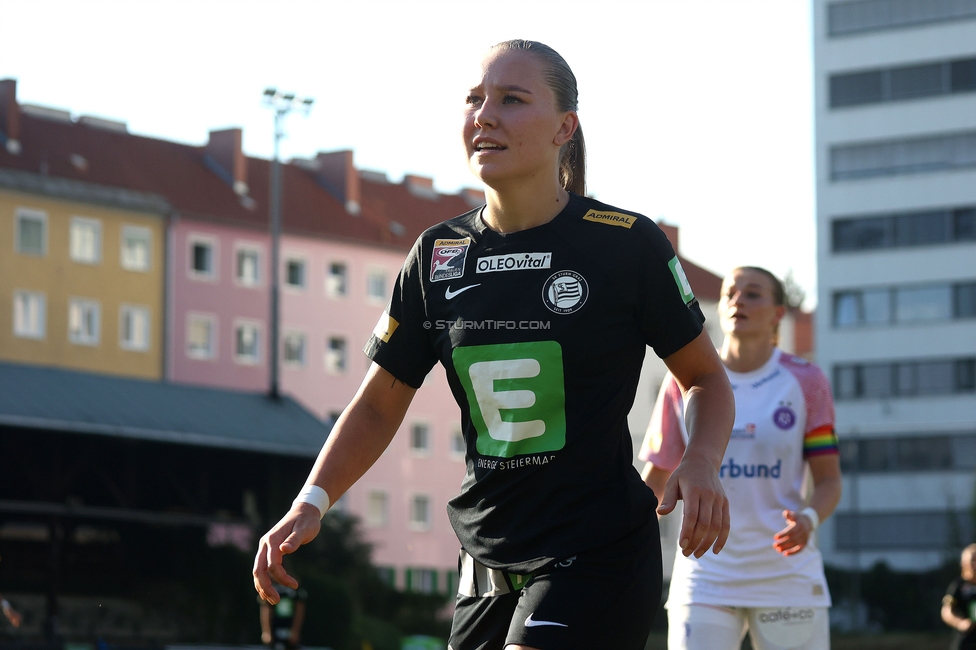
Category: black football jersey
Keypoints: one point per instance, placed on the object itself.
(542, 333)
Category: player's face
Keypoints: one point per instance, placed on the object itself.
(747, 306)
(512, 129)
(968, 565)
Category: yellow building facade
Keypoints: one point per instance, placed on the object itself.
(82, 285)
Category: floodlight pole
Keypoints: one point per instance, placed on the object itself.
(282, 104)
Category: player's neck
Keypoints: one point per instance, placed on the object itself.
(745, 354)
(520, 207)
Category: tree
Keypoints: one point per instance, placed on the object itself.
(794, 293)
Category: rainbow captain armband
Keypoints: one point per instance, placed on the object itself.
(313, 495)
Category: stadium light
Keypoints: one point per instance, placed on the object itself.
(281, 104)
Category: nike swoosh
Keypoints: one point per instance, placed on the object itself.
(530, 623)
(451, 294)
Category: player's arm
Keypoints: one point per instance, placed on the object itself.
(656, 478)
(360, 435)
(825, 471)
(950, 618)
(709, 416)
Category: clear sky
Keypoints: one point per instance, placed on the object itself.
(696, 112)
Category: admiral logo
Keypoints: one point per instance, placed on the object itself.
(515, 262)
(565, 292)
(611, 218)
(385, 327)
(447, 260)
(758, 470)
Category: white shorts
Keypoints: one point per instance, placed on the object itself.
(708, 627)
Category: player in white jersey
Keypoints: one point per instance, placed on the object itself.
(769, 580)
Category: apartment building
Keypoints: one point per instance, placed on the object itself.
(896, 327)
(132, 256)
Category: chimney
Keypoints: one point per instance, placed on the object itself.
(420, 186)
(339, 176)
(9, 116)
(474, 198)
(671, 232)
(226, 158)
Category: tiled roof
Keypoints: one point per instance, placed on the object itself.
(195, 186)
(65, 400)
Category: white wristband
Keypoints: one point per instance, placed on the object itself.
(4, 604)
(313, 495)
(813, 517)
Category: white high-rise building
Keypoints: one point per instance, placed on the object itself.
(896, 252)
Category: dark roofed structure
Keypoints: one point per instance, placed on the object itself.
(53, 399)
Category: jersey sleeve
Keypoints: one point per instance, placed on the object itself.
(669, 314)
(400, 343)
(664, 442)
(820, 436)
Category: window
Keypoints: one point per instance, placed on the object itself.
(904, 82)
(83, 321)
(246, 339)
(203, 263)
(31, 232)
(910, 304)
(335, 355)
(905, 530)
(136, 242)
(902, 156)
(246, 267)
(905, 378)
(376, 285)
(295, 273)
(422, 581)
(134, 328)
(919, 453)
(923, 228)
(377, 508)
(200, 333)
(964, 300)
(924, 303)
(85, 240)
(387, 575)
(420, 512)
(420, 438)
(30, 309)
(294, 348)
(458, 446)
(336, 284)
(871, 15)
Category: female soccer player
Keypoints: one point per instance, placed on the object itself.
(769, 580)
(539, 305)
(959, 603)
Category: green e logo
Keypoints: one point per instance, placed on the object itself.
(515, 392)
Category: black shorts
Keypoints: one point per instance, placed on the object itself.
(601, 598)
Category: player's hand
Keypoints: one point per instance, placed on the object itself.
(706, 519)
(794, 538)
(299, 526)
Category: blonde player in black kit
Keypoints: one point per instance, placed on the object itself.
(540, 306)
